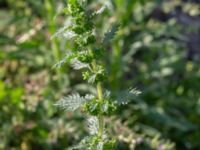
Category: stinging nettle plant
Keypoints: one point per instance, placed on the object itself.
(87, 55)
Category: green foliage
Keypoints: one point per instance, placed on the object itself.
(76, 64)
(154, 49)
(71, 103)
(100, 11)
(110, 34)
(126, 96)
(87, 53)
(95, 107)
(94, 141)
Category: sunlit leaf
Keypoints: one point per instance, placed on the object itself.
(71, 102)
(76, 64)
(93, 125)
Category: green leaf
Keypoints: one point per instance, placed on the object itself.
(93, 125)
(67, 58)
(60, 63)
(92, 78)
(99, 75)
(3, 91)
(126, 96)
(71, 102)
(64, 34)
(86, 143)
(100, 11)
(69, 34)
(107, 94)
(76, 64)
(89, 97)
(159, 115)
(110, 34)
(59, 32)
(100, 146)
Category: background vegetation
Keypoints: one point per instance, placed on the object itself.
(157, 49)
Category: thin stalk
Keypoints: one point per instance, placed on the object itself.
(101, 118)
(52, 29)
(100, 97)
(116, 65)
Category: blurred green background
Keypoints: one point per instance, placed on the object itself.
(157, 49)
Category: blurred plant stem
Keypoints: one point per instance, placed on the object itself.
(116, 69)
(54, 42)
(101, 118)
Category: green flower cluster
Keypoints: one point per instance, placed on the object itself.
(96, 107)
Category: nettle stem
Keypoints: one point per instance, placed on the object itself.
(101, 117)
(81, 31)
(100, 97)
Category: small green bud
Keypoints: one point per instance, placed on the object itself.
(93, 107)
(96, 107)
(86, 75)
(101, 76)
(108, 107)
(86, 57)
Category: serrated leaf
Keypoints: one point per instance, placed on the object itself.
(93, 125)
(76, 64)
(67, 58)
(93, 142)
(126, 96)
(60, 63)
(84, 144)
(68, 34)
(71, 102)
(59, 32)
(92, 78)
(89, 97)
(107, 94)
(65, 33)
(100, 11)
(110, 34)
(100, 146)
(100, 71)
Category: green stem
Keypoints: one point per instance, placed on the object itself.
(116, 69)
(100, 97)
(52, 29)
(101, 118)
